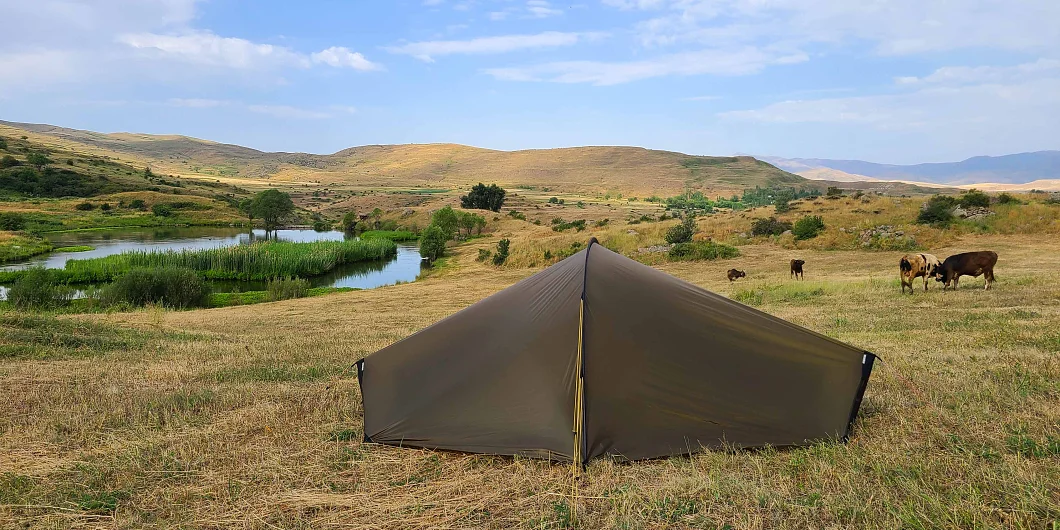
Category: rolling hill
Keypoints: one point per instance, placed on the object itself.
(630, 170)
(1021, 168)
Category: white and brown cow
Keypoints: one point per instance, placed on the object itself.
(913, 266)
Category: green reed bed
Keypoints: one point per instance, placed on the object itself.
(256, 261)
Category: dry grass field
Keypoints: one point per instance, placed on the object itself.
(250, 417)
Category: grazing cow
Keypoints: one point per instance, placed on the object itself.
(734, 274)
(967, 264)
(796, 268)
(915, 266)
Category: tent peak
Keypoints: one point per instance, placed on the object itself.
(592, 240)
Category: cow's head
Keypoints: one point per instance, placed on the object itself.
(933, 270)
(944, 276)
(797, 263)
(738, 274)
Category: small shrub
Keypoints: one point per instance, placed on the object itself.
(286, 288)
(553, 200)
(782, 205)
(8, 161)
(105, 207)
(161, 210)
(37, 289)
(548, 255)
(483, 255)
(683, 232)
(174, 287)
(321, 225)
(581, 204)
(85, 206)
(502, 252)
(808, 227)
(702, 250)
(974, 198)
(137, 204)
(1006, 198)
(938, 211)
(12, 221)
(516, 214)
(578, 225)
(769, 227)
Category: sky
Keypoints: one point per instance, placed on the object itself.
(894, 81)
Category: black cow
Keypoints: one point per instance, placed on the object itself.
(967, 264)
(796, 268)
(734, 274)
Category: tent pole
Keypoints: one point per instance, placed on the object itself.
(578, 416)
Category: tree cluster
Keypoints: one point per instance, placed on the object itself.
(484, 197)
(271, 206)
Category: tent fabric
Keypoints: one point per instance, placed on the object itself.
(668, 368)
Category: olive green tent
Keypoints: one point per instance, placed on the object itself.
(601, 355)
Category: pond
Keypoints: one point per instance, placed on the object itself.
(364, 275)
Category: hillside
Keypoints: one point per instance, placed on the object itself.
(1021, 168)
(629, 170)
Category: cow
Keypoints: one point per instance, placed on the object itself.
(734, 274)
(796, 268)
(967, 264)
(913, 266)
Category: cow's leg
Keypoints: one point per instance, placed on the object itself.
(955, 280)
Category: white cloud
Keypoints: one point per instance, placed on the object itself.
(340, 57)
(497, 16)
(427, 50)
(979, 74)
(541, 9)
(961, 111)
(892, 27)
(197, 103)
(209, 49)
(718, 62)
(288, 112)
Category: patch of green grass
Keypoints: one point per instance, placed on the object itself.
(21, 247)
(75, 248)
(701, 250)
(39, 336)
(257, 297)
(273, 373)
(393, 235)
(344, 434)
(257, 261)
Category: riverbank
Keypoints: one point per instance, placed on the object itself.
(15, 246)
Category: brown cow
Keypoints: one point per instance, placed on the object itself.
(913, 266)
(734, 274)
(796, 268)
(967, 264)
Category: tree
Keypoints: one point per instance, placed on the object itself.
(377, 216)
(147, 173)
(484, 197)
(161, 210)
(782, 205)
(432, 243)
(469, 221)
(8, 161)
(683, 232)
(246, 206)
(38, 160)
(446, 220)
(349, 222)
(502, 252)
(273, 207)
(808, 227)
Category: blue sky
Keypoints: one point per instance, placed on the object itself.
(899, 81)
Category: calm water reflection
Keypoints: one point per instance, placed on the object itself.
(366, 275)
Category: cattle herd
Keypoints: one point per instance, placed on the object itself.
(913, 266)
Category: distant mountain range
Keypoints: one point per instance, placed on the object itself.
(1022, 168)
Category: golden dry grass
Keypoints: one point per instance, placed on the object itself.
(250, 416)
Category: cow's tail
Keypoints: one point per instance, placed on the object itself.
(904, 265)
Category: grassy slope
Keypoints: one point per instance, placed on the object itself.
(251, 413)
(629, 170)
